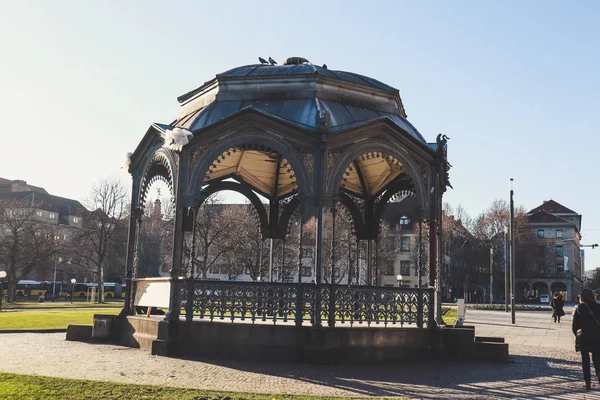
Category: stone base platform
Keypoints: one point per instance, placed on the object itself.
(307, 344)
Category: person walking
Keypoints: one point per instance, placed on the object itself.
(586, 328)
(557, 307)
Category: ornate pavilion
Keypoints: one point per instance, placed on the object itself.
(312, 141)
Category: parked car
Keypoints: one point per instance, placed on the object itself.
(531, 299)
(545, 299)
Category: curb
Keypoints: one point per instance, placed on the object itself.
(33, 330)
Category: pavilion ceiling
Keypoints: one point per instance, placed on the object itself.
(266, 172)
(370, 173)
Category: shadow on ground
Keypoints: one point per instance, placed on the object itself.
(523, 377)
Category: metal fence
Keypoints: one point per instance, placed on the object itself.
(306, 303)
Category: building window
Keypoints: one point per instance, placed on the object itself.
(559, 251)
(52, 215)
(560, 268)
(405, 244)
(39, 213)
(389, 269)
(306, 271)
(307, 252)
(405, 268)
(404, 220)
(540, 233)
(75, 220)
(559, 233)
(541, 251)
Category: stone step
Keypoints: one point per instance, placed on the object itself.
(489, 339)
(79, 333)
(491, 351)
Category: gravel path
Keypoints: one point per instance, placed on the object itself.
(534, 372)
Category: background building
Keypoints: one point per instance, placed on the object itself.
(557, 229)
(60, 214)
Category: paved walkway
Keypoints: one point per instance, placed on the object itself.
(531, 328)
(543, 365)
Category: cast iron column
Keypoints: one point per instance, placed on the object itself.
(301, 222)
(174, 296)
(432, 251)
(420, 259)
(193, 269)
(357, 260)
(131, 254)
(332, 288)
(271, 247)
(369, 262)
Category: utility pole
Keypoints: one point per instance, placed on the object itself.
(512, 251)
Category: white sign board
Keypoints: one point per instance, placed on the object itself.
(461, 312)
(152, 292)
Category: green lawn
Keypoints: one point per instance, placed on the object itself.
(19, 305)
(50, 319)
(38, 387)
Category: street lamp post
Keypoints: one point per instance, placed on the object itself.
(399, 279)
(512, 251)
(506, 270)
(54, 281)
(72, 288)
(2, 276)
(491, 275)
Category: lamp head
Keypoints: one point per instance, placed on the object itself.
(399, 277)
(73, 281)
(512, 184)
(2, 274)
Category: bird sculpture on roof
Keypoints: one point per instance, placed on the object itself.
(262, 60)
(273, 62)
(325, 66)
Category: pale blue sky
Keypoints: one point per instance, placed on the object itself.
(514, 84)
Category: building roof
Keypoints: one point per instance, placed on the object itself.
(553, 207)
(8, 185)
(545, 217)
(20, 190)
(395, 210)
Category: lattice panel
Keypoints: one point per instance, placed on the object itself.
(376, 305)
(324, 292)
(252, 300)
(261, 301)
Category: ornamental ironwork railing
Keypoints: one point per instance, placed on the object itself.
(306, 303)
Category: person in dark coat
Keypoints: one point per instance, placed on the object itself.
(586, 328)
(557, 307)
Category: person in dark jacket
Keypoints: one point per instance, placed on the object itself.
(557, 307)
(586, 328)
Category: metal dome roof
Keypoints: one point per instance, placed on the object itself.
(295, 93)
(304, 69)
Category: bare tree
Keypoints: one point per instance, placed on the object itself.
(244, 254)
(24, 243)
(156, 240)
(533, 257)
(216, 228)
(102, 226)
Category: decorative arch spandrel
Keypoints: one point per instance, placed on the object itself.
(409, 163)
